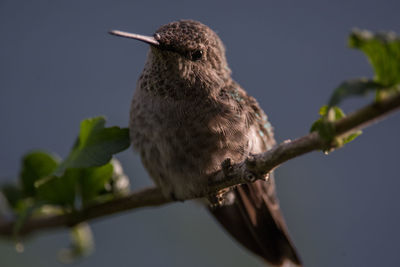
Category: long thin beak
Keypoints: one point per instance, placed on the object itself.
(147, 39)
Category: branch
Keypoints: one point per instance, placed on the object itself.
(251, 169)
(149, 197)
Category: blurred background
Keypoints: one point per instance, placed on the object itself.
(58, 66)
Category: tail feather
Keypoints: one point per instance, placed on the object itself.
(254, 219)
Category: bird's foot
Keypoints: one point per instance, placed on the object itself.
(220, 199)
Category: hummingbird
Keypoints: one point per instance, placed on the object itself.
(188, 116)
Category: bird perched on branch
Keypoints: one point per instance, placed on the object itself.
(188, 116)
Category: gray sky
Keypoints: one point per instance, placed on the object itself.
(58, 66)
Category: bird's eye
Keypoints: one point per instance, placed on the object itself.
(196, 55)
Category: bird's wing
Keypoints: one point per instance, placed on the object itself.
(253, 217)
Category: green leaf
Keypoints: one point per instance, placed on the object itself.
(76, 186)
(93, 181)
(342, 140)
(383, 52)
(323, 110)
(324, 128)
(353, 87)
(36, 165)
(13, 194)
(351, 137)
(324, 125)
(60, 190)
(95, 145)
(337, 113)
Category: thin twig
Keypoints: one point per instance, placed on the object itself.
(256, 166)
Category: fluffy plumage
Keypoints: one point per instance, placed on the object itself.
(187, 116)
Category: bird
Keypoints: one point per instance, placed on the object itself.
(188, 116)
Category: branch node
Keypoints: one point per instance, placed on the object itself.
(251, 161)
(250, 177)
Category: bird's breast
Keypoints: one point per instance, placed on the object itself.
(180, 140)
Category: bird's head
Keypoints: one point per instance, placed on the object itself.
(188, 49)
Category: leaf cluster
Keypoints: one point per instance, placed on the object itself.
(88, 175)
(383, 52)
